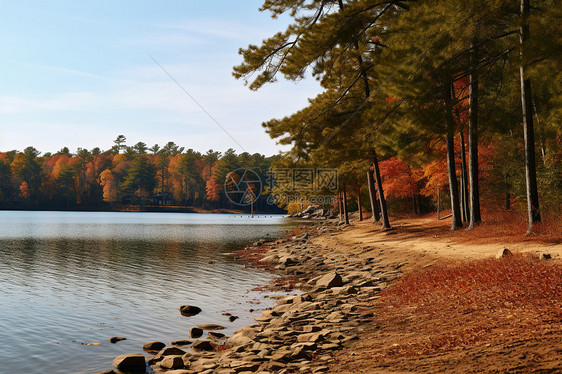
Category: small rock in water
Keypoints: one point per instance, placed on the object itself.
(195, 332)
(181, 342)
(233, 318)
(189, 310)
(153, 346)
(211, 326)
(116, 339)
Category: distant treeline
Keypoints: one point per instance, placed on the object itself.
(123, 175)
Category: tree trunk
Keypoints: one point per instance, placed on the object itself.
(382, 200)
(464, 179)
(359, 204)
(507, 193)
(340, 206)
(373, 196)
(453, 187)
(344, 203)
(473, 166)
(418, 197)
(528, 130)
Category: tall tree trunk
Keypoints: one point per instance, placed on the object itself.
(382, 200)
(373, 196)
(464, 179)
(528, 130)
(453, 187)
(359, 204)
(473, 166)
(507, 193)
(340, 206)
(344, 202)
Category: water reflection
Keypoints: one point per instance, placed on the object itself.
(68, 278)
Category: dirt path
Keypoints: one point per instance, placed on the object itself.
(518, 338)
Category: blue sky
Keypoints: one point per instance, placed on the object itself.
(79, 73)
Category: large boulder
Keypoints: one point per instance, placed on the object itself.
(330, 280)
(189, 310)
(132, 363)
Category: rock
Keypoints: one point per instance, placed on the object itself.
(216, 335)
(153, 346)
(503, 253)
(189, 310)
(132, 363)
(233, 318)
(196, 332)
(240, 340)
(203, 345)
(545, 256)
(288, 261)
(330, 280)
(116, 339)
(181, 342)
(211, 326)
(106, 372)
(170, 351)
(172, 362)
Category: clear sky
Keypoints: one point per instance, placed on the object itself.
(79, 73)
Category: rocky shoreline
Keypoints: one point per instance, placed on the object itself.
(330, 306)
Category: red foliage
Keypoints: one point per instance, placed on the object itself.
(399, 180)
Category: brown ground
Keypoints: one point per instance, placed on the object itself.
(482, 316)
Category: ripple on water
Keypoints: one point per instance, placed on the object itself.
(73, 278)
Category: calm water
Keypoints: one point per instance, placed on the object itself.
(70, 278)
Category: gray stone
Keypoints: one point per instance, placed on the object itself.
(133, 363)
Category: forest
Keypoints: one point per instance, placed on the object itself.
(123, 176)
(426, 105)
(438, 103)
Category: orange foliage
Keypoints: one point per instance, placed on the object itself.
(24, 190)
(107, 180)
(399, 180)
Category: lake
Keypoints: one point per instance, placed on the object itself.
(68, 279)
